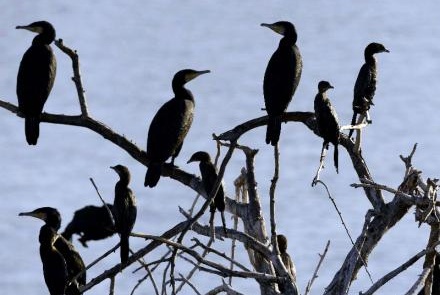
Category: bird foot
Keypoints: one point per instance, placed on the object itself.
(370, 121)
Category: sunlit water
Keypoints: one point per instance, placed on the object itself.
(129, 53)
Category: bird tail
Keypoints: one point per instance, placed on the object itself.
(335, 158)
(222, 213)
(353, 122)
(125, 248)
(273, 130)
(73, 289)
(153, 174)
(32, 129)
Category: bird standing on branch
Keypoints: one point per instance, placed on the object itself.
(327, 120)
(209, 177)
(124, 209)
(365, 85)
(170, 126)
(281, 78)
(35, 78)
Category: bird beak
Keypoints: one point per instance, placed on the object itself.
(113, 167)
(386, 50)
(331, 87)
(273, 27)
(194, 75)
(32, 29)
(190, 161)
(40, 215)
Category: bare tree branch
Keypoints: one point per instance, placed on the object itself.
(315, 273)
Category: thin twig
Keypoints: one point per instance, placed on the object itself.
(103, 201)
(346, 229)
(76, 75)
(315, 273)
(112, 286)
(273, 186)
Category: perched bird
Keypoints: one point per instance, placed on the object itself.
(285, 257)
(365, 85)
(209, 177)
(90, 223)
(36, 76)
(327, 119)
(281, 78)
(170, 126)
(124, 209)
(61, 262)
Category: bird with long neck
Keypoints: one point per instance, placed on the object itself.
(209, 178)
(327, 120)
(365, 85)
(281, 78)
(54, 246)
(124, 209)
(170, 126)
(36, 76)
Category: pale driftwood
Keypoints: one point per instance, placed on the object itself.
(392, 274)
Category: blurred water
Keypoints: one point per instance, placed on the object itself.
(129, 53)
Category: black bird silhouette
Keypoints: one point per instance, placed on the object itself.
(61, 262)
(35, 78)
(90, 223)
(281, 78)
(124, 209)
(327, 120)
(170, 126)
(365, 85)
(209, 177)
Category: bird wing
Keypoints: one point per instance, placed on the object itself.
(36, 76)
(281, 79)
(364, 88)
(169, 128)
(327, 119)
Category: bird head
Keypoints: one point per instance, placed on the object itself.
(323, 86)
(282, 243)
(186, 75)
(200, 157)
(49, 215)
(373, 48)
(38, 27)
(122, 171)
(284, 28)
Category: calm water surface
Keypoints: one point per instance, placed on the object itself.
(129, 53)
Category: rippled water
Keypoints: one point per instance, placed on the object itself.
(129, 53)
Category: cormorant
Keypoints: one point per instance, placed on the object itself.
(327, 119)
(124, 209)
(36, 76)
(170, 126)
(285, 257)
(209, 177)
(90, 223)
(281, 78)
(365, 85)
(61, 262)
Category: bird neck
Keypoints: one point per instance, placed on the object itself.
(123, 181)
(288, 41)
(181, 92)
(370, 59)
(44, 39)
